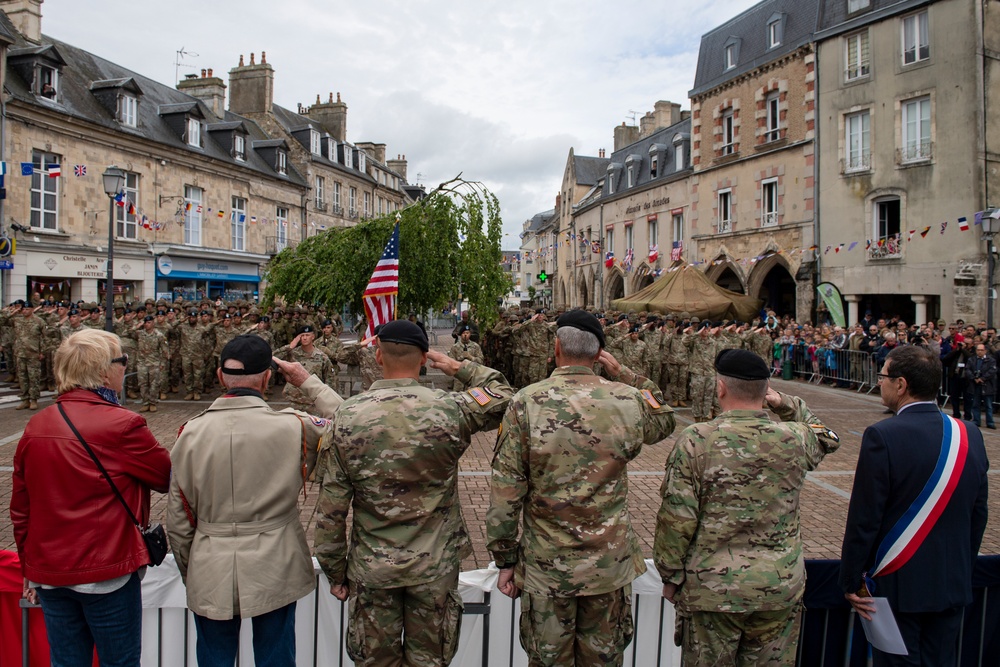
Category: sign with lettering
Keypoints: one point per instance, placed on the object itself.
(67, 265)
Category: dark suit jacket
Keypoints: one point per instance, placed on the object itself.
(987, 371)
(897, 458)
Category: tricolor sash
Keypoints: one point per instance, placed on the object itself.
(908, 534)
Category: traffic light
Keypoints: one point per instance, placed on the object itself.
(542, 277)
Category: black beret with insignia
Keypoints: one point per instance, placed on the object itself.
(584, 321)
(403, 332)
(742, 365)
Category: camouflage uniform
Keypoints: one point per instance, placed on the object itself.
(393, 456)
(630, 353)
(537, 340)
(702, 368)
(728, 535)
(152, 359)
(653, 338)
(192, 357)
(463, 351)
(317, 363)
(7, 337)
(562, 456)
(29, 342)
(363, 357)
(53, 337)
(678, 347)
(168, 330)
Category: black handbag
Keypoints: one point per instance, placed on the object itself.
(154, 536)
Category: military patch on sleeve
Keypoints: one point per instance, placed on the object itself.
(491, 392)
(821, 430)
(319, 421)
(480, 396)
(648, 396)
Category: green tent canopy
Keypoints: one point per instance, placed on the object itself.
(690, 290)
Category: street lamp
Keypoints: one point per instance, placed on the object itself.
(114, 181)
(991, 227)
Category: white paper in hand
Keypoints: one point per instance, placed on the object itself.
(882, 631)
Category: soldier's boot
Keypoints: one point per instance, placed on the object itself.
(163, 396)
(189, 396)
(144, 408)
(133, 394)
(682, 404)
(197, 396)
(152, 408)
(174, 389)
(51, 386)
(22, 405)
(33, 405)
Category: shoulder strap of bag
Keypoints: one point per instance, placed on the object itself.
(100, 467)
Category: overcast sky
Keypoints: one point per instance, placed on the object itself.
(499, 91)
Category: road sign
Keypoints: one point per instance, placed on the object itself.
(6, 264)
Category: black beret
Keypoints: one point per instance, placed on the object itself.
(205, 312)
(226, 316)
(74, 311)
(635, 328)
(403, 332)
(465, 328)
(741, 364)
(265, 319)
(328, 323)
(584, 321)
(148, 318)
(304, 329)
(622, 317)
(193, 313)
(161, 312)
(253, 351)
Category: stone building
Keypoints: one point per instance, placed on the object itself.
(753, 132)
(539, 254)
(909, 149)
(637, 213)
(203, 193)
(580, 177)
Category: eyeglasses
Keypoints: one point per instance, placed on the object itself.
(886, 376)
(123, 360)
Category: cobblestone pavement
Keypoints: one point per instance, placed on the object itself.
(824, 498)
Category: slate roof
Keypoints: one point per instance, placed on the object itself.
(666, 167)
(589, 169)
(77, 100)
(540, 220)
(835, 19)
(750, 28)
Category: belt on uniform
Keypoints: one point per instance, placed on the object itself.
(246, 527)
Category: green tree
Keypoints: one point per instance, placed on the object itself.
(448, 242)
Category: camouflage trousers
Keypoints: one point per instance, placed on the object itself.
(536, 369)
(586, 630)
(194, 368)
(148, 377)
(745, 639)
(29, 374)
(678, 377)
(702, 396)
(416, 625)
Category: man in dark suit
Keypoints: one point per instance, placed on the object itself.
(981, 384)
(929, 590)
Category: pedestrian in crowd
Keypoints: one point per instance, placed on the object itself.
(81, 555)
(561, 460)
(232, 509)
(894, 545)
(954, 363)
(393, 459)
(732, 486)
(465, 350)
(192, 346)
(981, 384)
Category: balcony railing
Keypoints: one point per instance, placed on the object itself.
(275, 244)
(886, 248)
(338, 209)
(769, 219)
(915, 151)
(320, 205)
(858, 162)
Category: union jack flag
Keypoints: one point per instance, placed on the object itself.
(79, 170)
(383, 288)
(629, 255)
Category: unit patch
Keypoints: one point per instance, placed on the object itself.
(648, 395)
(480, 396)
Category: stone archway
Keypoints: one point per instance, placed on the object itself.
(583, 292)
(615, 288)
(772, 282)
(642, 279)
(725, 273)
(730, 281)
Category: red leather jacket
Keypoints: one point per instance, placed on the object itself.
(68, 525)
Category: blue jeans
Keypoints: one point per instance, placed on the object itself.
(273, 639)
(979, 399)
(77, 622)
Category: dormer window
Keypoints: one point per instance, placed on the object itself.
(857, 5)
(361, 161)
(193, 132)
(47, 82)
(314, 143)
(128, 110)
(348, 156)
(331, 149)
(282, 162)
(239, 147)
(775, 30)
(632, 163)
(731, 56)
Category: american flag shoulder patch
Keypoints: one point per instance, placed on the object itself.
(480, 396)
(319, 421)
(649, 398)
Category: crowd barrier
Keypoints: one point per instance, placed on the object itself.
(845, 368)
(831, 634)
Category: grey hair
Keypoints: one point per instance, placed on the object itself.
(745, 390)
(244, 381)
(577, 344)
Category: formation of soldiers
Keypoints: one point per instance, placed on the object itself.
(174, 347)
(674, 350)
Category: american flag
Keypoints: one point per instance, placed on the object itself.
(629, 255)
(383, 288)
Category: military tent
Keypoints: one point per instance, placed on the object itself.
(689, 290)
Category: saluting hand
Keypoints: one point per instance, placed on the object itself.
(772, 398)
(293, 371)
(443, 363)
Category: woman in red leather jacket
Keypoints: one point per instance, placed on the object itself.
(80, 553)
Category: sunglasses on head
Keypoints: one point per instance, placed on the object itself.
(123, 360)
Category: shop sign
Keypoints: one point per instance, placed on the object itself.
(67, 265)
(205, 269)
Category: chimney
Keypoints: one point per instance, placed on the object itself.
(667, 113)
(398, 165)
(375, 151)
(26, 15)
(332, 116)
(209, 89)
(647, 125)
(625, 135)
(600, 152)
(251, 87)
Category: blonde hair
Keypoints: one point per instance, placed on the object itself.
(82, 359)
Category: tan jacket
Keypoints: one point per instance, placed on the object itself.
(233, 504)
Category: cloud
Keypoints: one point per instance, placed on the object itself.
(499, 91)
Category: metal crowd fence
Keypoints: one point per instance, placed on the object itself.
(830, 632)
(844, 368)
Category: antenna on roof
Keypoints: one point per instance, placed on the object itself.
(632, 114)
(419, 177)
(178, 64)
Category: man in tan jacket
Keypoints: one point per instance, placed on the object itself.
(233, 506)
